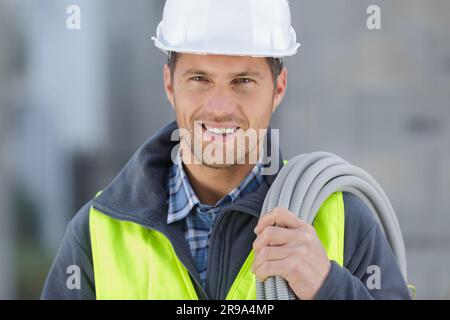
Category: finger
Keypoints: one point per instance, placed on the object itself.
(276, 236)
(272, 254)
(269, 269)
(280, 217)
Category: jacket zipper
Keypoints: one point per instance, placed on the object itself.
(212, 240)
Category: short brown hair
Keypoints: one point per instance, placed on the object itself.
(275, 64)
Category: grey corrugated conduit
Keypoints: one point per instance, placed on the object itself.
(303, 185)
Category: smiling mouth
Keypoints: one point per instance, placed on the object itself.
(220, 131)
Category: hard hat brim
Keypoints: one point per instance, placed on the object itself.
(166, 48)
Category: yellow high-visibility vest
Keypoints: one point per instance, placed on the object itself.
(134, 262)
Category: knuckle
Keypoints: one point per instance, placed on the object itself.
(276, 210)
(268, 233)
(263, 253)
(255, 243)
(277, 213)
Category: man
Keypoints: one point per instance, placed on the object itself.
(181, 223)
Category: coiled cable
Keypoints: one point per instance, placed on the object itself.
(304, 184)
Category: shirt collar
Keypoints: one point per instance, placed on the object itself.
(182, 198)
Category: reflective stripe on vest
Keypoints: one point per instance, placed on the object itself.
(133, 262)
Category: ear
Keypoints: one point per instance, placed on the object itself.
(280, 89)
(168, 85)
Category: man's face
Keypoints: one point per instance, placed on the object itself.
(220, 100)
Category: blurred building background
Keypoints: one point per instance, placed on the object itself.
(76, 104)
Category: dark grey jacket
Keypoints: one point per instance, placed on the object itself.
(138, 194)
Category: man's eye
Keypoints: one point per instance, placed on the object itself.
(198, 78)
(243, 81)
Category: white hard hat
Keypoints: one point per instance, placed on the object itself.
(259, 28)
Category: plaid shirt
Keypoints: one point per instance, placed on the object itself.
(199, 217)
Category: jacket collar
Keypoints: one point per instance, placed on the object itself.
(139, 193)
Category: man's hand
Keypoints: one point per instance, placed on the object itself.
(289, 247)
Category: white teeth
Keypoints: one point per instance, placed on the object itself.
(220, 130)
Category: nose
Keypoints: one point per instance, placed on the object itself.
(221, 102)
